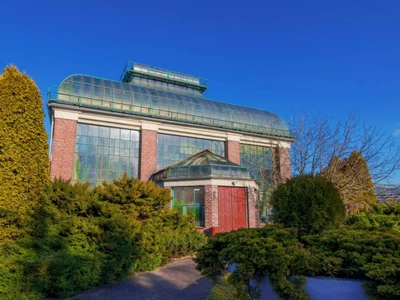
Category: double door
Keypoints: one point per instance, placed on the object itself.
(231, 208)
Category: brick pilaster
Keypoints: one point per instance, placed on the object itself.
(252, 207)
(63, 147)
(233, 151)
(211, 208)
(148, 153)
(284, 163)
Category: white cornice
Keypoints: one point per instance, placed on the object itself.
(216, 182)
(233, 137)
(66, 114)
(91, 116)
(149, 125)
(106, 120)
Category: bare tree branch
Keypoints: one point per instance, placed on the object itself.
(319, 140)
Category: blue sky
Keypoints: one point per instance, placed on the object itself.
(328, 57)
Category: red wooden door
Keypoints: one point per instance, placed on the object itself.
(231, 208)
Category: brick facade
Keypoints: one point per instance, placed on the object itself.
(233, 151)
(253, 218)
(148, 153)
(62, 158)
(284, 163)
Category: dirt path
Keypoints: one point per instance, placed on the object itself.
(177, 280)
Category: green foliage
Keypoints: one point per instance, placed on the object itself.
(371, 254)
(224, 290)
(264, 251)
(307, 203)
(24, 163)
(78, 238)
(143, 198)
(383, 216)
(362, 254)
(352, 178)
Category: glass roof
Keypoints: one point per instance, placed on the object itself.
(204, 164)
(136, 69)
(92, 92)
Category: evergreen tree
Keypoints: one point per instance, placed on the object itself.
(352, 178)
(24, 163)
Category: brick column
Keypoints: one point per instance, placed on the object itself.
(252, 210)
(233, 148)
(211, 208)
(285, 171)
(148, 151)
(63, 147)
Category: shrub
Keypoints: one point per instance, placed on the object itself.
(163, 233)
(257, 252)
(224, 290)
(362, 254)
(372, 255)
(62, 252)
(307, 203)
(79, 238)
(352, 178)
(382, 216)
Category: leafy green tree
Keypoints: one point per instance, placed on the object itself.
(352, 178)
(307, 203)
(24, 163)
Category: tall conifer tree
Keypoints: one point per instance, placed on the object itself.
(24, 163)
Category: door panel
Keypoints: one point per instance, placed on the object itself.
(224, 210)
(238, 208)
(231, 208)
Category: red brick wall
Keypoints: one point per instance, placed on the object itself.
(148, 153)
(62, 157)
(233, 151)
(211, 209)
(252, 210)
(284, 163)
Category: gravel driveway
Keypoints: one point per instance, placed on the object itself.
(177, 280)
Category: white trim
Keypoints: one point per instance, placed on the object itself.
(66, 114)
(233, 137)
(266, 142)
(149, 125)
(185, 130)
(284, 144)
(181, 129)
(127, 123)
(214, 182)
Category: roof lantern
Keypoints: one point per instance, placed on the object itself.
(133, 70)
(202, 165)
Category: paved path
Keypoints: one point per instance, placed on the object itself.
(175, 281)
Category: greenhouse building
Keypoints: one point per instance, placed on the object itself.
(218, 159)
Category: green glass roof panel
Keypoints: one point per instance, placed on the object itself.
(204, 164)
(91, 92)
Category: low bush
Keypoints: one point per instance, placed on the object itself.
(224, 290)
(347, 252)
(271, 251)
(382, 216)
(361, 254)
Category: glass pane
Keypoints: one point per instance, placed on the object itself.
(172, 148)
(99, 158)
